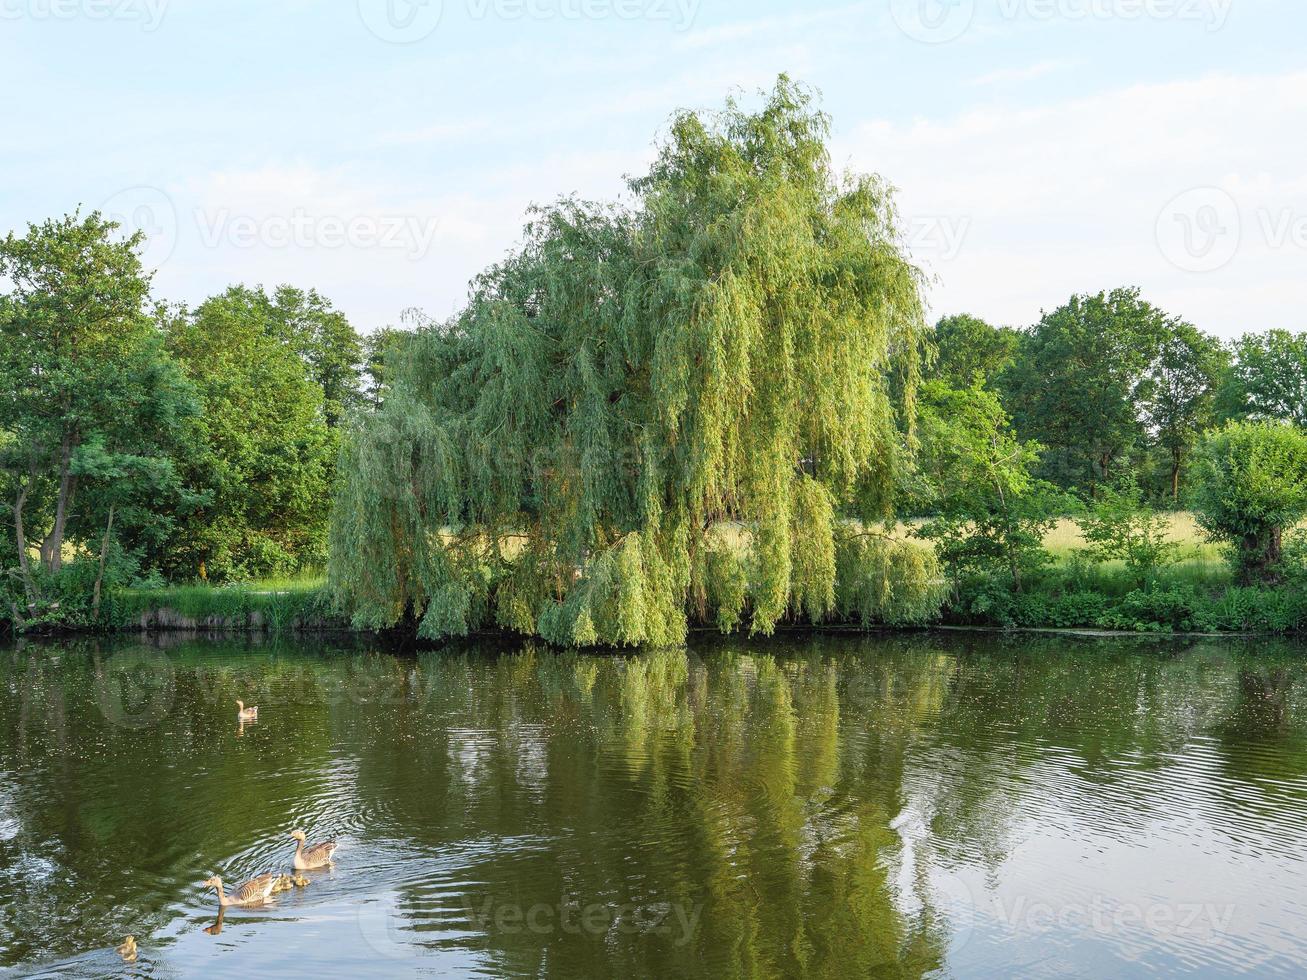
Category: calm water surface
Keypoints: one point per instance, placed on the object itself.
(942, 805)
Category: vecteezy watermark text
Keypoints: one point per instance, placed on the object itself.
(152, 213)
(671, 920)
(409, 21)
(303, 229)
(1181, 920)
(148, 13)
(940, 21)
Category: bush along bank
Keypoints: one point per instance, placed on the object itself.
(1168, 605)
(267, 608)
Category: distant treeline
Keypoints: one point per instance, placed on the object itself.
(143, 443)
(1112, 387)
(710, 405)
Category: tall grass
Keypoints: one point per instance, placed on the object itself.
(272, 605)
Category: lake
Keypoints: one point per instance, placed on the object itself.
(935, 804)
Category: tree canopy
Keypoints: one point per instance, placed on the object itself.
(559, 456)
(1268, 379)
(88, 402)
(260, 456)
(967, 348)
(1079, 380)
(1252, 487)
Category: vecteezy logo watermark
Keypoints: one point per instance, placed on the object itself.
(387, 929)
(148, 13)
(933, 21)
(939, 21)
(1170, 920)
(671, 920)
(1200, 230)
(939, 236)
(401, 21)
(407, 21)
(151, 212)
(136, 688)
(1210, 13)
(303, 229)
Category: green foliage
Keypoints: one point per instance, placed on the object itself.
(259, 460)
(967, 350)
(1252, 487)
(331, 349)
(718, 352)
(90, 403)
(1179, 396)
(1168, 605)
(1120, 526)
(267, 606)
(992, 515)
(726, 587)
(887, 582)
(1268, 379)
(1078, 381)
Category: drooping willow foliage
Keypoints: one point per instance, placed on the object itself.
(560, 459)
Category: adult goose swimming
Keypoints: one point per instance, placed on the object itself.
(316, 856)
(253, 892)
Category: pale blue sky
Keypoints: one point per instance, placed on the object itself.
(1041, 146)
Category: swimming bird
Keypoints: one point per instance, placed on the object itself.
(253, 892)
(127, 950)
(246, 714)
(287, 883)
(308, 858)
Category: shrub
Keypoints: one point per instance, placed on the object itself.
(1119, 526)
(1252, 485)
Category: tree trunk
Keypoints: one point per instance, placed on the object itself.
(52, 551)
(1104, 471)
(20, 533)
(1261, 555)
(1175, 478)
(104, 554)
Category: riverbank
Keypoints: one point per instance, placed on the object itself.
(268, 607)
(1181, 603)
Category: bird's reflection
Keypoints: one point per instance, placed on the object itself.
(216, 928)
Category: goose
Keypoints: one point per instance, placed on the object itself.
(308, 858)
(287, 883)
(246, 714)
(127, 950)
(253, 892)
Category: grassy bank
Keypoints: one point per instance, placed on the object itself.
(274, 605)
(1195, 594)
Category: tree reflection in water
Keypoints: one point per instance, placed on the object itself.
(791, 808)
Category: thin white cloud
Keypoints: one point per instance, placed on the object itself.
(785, 26)
(1026, 74)
(442, 134)
(1070, 197)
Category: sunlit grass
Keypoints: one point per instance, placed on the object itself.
(284, 602)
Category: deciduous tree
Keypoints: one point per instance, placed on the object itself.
(555, 458)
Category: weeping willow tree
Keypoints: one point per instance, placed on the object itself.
(560, 458)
